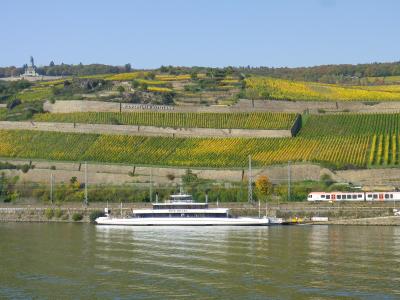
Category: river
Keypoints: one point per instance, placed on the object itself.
(82, 261)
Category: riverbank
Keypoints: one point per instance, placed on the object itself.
(337, 213)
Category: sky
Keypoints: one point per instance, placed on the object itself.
(215, 33)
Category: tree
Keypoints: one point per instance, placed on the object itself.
(51, 64)
(263, 190)
(135, 84)
(128, 68)
(120, 89)
(263, 186)
(189, 177)
(193, 76)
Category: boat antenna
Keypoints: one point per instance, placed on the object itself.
(121, 209)
(206, 196)
(156, 197)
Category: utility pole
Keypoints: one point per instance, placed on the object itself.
(86, 185)
(289, 180)
(151, 185)
(250, 189)
(51, 187)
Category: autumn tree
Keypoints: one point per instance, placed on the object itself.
(263, 186)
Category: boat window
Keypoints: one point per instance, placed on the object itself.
(328, 196)
(391, 196)
(359, 195)
(310, 196)
(322, 196)
(339, 197)
(369, 196)
(354, 196)
(348, 196)
(386, 196)
(375, 196)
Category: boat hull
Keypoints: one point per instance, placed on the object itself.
(183, 221)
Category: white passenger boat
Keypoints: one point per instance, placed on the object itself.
(181, 209)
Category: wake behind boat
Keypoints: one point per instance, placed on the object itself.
(181, 209)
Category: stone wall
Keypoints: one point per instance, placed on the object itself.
(142, 130)
(243, 105)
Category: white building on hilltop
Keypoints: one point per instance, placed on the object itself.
(30, 71)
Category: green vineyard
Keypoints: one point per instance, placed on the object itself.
(350, 124)
(384, 150)
(263, 120)
(336, 151)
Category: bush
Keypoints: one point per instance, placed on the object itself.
(13, 103)
(25, 168)
(77, 217)
(49, 213)
(58, 213)
(95, 214)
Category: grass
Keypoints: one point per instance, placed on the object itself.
(34, 94)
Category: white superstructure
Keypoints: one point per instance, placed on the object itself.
(181, 209)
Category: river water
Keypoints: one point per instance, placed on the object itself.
(82, 261)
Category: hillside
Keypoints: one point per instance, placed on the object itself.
(183, 152)
(280, 89)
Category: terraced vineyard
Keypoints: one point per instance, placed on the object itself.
(184, 152)
(281, 89)
(178, 120)
(350, 124)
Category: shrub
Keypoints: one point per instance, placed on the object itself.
(13, 103)
(25, 168)
(49, 213)
(95, 214)
(58, 213)
(77, 217)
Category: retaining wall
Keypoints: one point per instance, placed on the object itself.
(142, 130)
(243, 105)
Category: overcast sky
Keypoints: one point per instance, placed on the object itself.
(152, 33)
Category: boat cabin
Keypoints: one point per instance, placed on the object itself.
(181, 206)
